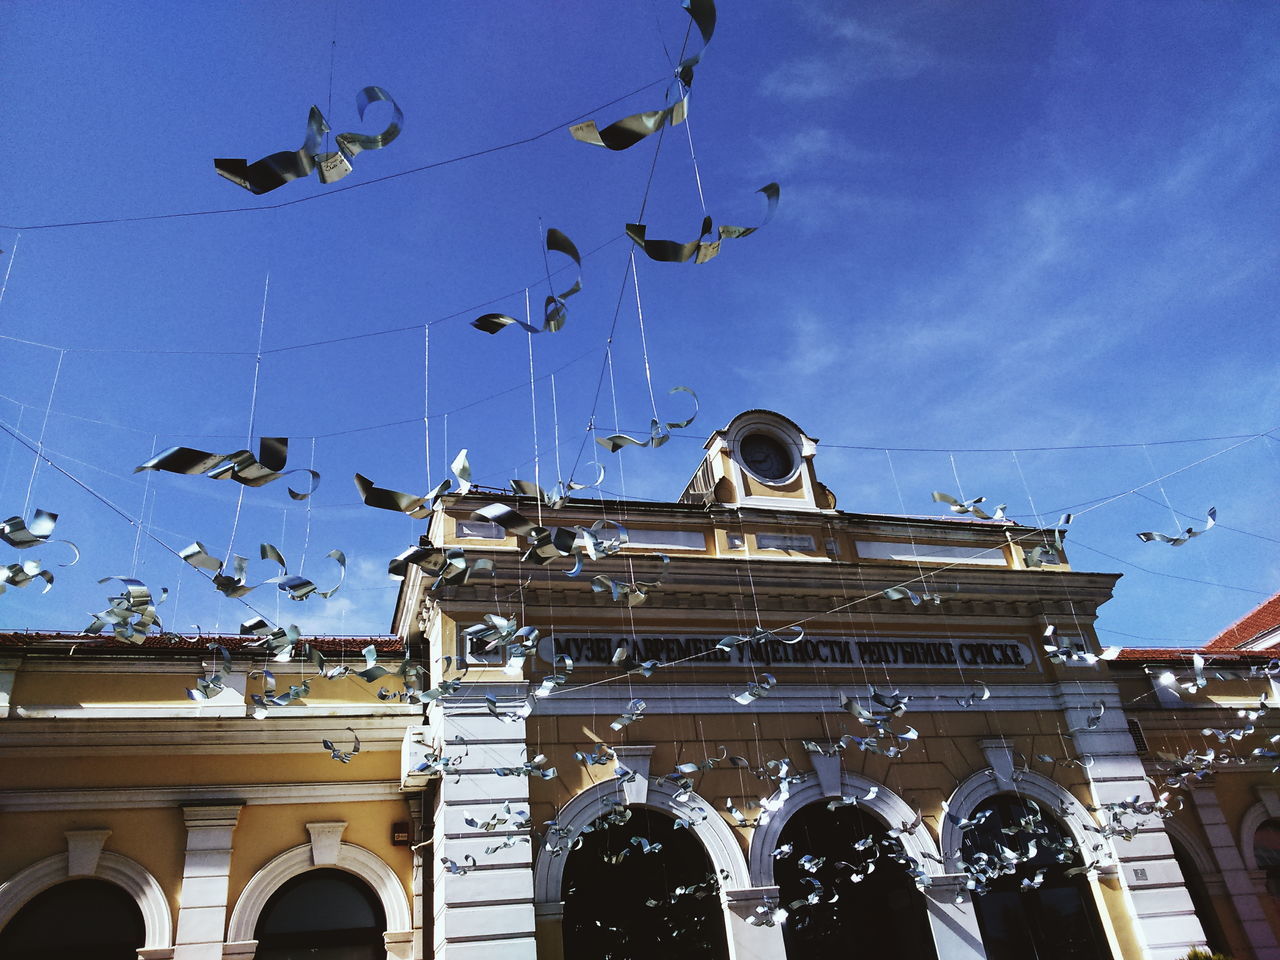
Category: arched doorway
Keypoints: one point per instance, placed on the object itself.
(87, 918)
(1052, 915)
(323, 914)
(638, 887)
(1200, 899)
(879, 910)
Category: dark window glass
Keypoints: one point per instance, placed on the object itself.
(1056, 920)
(635, 909)
(881, 915)
(1200, 899)
(323, 914)
(1266, 848)
(86, 919)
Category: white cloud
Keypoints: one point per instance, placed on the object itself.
(363, 606)
(865, 52)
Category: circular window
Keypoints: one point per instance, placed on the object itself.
(765, 456)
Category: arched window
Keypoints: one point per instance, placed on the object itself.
(1037, 911)
(323, 914)
(1266, 849)
(624, 903)
(873, 913)
(87, 919)
(1200, 898)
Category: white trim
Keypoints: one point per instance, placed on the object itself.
(886, 806)
(123, 872)
(787, 698)
(1253, 818)
(363, 791)
(717, 838)
(148, 736)
(783, 434)
(369, 867)
(149, 711)
(1048, 793)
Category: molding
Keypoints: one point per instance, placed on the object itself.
(1253, 818)
(999, 754)
(792, 698)
(221, 814)
(1270, 799)
(216, 735)
(828, 771)
(717, 838)
(886, 806)
(636, 759)
(1048, 793)
(149, 710)
(123, 872)
(369, 867)
(84, 850)
(352, 791)
(326, 841)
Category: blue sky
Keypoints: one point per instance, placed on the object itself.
(1003, 226)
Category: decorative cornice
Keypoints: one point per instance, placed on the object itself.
(116, 798)
(147, 736)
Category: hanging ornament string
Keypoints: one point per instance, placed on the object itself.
(253, 408)
(44, 425)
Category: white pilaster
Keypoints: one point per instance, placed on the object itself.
(421, 857)
(8, 674)
(202, 919)
(954, 925)
(486, 914)
(752, 942)
(1164, 916)
(1243, 888)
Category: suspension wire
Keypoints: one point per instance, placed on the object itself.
(426, 416)
(35, 463)
(253, 410)
(533, 408)
(555, 423)
(644, 342)
(13, 255)
(142, 513)
(334, 191)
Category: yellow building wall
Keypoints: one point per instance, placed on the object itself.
(155, 838)
(269, 829)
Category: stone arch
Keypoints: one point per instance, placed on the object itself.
(1048, 793)
(123, 872)
(1253, 818)
(1197, 851)
(368, 866)
(712, 832)
(886, 806)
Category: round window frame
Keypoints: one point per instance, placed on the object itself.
(784, 439)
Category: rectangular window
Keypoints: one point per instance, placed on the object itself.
(667, 539)
(480, 530)
(931, 553)
(783, 541)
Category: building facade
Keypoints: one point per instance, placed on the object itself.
(741, 724)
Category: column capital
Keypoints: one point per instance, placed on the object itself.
(216, 813)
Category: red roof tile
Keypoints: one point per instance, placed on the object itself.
(1257, 621)
(1183, 655)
